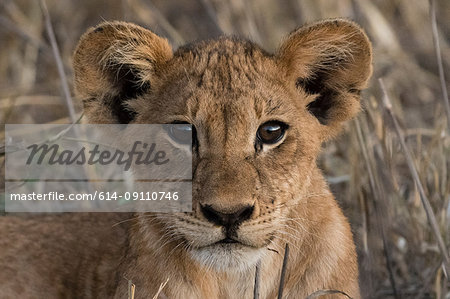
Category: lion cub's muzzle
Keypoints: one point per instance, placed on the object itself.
(226, 194)
(229, 221)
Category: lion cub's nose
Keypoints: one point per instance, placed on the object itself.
(227, 219)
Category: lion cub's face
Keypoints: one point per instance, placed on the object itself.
(258, 121)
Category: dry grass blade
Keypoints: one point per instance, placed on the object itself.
(161, 287)
(251, 23)
(257, 280)
(377, 195)
(7, 24)
(319, 293)
(425, 202)
(146, 11)
(4, 148)
(131, 288)
(59, 63)
(283, 271)
(211, 13)
(439, 60)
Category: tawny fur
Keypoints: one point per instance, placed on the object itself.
(226, 88)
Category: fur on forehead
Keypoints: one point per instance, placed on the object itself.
(225, 45)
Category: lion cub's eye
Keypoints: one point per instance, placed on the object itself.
(271, 132)
(183, 133)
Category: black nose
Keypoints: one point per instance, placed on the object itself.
(227, 219)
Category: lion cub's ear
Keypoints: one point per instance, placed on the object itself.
(333, 60)
(115, 62)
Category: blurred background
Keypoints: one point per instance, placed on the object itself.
(365, 167)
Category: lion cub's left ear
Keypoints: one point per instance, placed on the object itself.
(333, 60)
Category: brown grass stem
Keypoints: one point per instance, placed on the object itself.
(59, 63)
(439, 60)
(211, 13)
(283, 271)
(159, 293)
(374, 186)
(425, 202)
(146, 10)
(26, 35)
(257, 280)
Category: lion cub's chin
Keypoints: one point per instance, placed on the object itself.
(228, 257)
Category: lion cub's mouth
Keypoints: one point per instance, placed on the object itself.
(228, 240)
(230, 243)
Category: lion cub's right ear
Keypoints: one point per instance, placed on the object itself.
(114, 63)
(331, 60)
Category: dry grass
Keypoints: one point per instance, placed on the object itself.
(367, 168)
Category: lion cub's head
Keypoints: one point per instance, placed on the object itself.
(258, 120)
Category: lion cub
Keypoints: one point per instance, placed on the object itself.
(258, 121)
